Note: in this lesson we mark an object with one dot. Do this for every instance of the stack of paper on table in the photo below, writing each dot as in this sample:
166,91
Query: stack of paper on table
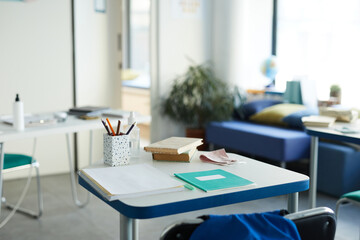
115,113
318,121
32,120
174,149
88,111
129,181
341,115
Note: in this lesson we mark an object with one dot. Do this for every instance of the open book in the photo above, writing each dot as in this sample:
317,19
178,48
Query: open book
129,181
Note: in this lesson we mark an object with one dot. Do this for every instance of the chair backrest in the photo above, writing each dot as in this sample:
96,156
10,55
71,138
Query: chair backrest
317,223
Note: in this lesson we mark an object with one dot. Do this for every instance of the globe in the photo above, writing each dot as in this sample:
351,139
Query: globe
269,68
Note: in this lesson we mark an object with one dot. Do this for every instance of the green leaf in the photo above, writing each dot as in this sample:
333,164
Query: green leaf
198,97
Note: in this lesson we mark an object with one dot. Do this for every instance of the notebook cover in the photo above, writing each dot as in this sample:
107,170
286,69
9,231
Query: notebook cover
213,179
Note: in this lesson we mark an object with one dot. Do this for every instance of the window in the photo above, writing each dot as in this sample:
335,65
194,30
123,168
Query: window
319,40
136,43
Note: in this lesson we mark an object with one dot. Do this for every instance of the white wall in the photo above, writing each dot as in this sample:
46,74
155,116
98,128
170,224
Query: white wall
36,61
174,38
97,57
242,40
97,61
235,35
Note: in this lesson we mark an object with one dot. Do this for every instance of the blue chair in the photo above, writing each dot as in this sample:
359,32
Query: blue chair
15,162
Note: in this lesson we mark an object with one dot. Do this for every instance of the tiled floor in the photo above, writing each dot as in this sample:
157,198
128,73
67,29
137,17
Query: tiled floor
63,220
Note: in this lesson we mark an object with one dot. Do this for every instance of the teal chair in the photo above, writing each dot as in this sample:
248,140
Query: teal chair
351,197
14,162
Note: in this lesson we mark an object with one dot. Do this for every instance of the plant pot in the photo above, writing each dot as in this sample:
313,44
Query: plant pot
335,97
197,133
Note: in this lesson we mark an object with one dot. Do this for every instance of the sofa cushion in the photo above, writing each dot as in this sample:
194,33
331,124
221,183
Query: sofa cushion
274,143
293,120
275,114
253,107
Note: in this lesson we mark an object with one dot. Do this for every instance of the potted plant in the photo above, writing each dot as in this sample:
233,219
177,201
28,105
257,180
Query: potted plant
335,93
198,97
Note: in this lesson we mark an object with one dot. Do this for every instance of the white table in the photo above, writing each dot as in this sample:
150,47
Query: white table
328,133
269,181
71,125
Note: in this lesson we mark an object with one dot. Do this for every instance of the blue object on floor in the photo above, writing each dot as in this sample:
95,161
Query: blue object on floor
268,225
338,169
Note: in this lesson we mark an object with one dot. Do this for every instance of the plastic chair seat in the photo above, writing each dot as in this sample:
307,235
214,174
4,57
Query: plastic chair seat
352,195
13,162
16,160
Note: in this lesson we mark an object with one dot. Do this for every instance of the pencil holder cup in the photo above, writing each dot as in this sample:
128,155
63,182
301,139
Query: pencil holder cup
116,150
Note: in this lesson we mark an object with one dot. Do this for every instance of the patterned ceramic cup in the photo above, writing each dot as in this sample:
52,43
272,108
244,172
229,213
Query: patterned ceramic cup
116,150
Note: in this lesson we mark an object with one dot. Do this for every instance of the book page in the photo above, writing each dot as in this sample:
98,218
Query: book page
132,179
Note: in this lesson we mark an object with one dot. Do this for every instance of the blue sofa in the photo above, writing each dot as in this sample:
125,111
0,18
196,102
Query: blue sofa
338,167
259,130
271,142
338,164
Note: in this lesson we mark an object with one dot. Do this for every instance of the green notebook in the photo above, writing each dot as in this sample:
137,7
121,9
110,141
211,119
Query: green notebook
213,179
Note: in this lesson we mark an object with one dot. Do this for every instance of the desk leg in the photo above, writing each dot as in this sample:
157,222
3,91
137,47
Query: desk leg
313,171
293,202
128,228
72,176
1,168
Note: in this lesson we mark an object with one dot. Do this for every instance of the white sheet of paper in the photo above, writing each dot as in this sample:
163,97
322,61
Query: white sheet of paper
210,177
132,179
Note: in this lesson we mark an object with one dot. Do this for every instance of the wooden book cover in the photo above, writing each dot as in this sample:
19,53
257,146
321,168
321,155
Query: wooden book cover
182,157
174,145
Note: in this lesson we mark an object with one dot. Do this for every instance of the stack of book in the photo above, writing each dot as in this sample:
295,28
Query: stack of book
87,111
318,121
174,149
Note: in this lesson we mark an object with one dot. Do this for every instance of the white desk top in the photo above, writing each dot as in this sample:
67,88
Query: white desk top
71,125
269,181
332,133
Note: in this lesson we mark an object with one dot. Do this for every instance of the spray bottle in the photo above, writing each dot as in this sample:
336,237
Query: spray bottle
134,136
18,114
